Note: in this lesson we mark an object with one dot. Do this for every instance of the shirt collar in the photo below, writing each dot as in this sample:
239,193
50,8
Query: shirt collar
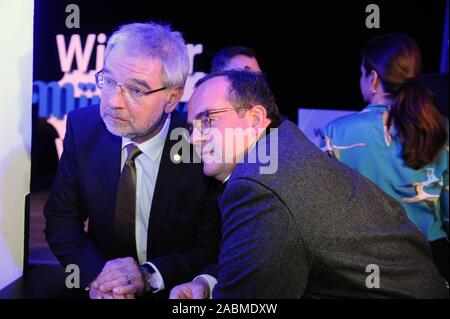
226,179
154,146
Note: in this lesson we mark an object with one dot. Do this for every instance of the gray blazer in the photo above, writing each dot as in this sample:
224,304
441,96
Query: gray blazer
317,229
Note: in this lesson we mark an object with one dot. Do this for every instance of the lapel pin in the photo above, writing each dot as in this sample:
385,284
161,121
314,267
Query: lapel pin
176,158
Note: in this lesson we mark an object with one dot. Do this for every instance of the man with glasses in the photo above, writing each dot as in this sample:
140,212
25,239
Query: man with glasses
311,229
152,220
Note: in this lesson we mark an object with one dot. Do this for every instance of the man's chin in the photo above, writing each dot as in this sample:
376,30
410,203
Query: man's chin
118,132
210,170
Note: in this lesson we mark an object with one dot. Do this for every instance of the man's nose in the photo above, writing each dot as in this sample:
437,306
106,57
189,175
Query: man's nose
196,137
115,97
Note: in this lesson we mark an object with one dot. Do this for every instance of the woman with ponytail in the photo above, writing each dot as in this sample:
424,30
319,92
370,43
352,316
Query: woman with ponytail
400,140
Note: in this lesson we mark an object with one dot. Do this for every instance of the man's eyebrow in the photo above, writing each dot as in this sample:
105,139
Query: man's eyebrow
140,82
132,81
199,115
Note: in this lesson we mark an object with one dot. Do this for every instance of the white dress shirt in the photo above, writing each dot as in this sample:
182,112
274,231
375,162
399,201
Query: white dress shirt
147,166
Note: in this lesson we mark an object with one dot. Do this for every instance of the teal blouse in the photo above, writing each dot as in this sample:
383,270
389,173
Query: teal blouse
360,140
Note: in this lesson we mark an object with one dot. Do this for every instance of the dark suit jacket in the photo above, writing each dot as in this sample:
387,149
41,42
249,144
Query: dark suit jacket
184,225
311,230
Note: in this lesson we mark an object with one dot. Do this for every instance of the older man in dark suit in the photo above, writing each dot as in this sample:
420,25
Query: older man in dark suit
296,223
153,222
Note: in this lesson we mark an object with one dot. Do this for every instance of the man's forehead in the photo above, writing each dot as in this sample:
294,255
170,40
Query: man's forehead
212,89
209,95
121,60
241,61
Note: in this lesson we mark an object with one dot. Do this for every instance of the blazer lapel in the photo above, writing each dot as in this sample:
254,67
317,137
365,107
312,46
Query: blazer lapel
168,175
109,168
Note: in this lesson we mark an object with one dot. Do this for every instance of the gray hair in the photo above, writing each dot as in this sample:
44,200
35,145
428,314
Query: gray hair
156,41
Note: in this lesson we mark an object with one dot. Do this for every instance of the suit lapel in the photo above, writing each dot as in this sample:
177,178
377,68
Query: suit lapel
168,175
109,168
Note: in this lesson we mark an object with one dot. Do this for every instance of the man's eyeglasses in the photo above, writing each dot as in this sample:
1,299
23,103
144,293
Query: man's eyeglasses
203,120
132,93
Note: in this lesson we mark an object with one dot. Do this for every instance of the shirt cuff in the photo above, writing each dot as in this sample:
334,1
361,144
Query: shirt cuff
211,282
156,280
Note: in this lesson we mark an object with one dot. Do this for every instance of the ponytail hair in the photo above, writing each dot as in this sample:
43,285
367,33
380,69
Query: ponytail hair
421,128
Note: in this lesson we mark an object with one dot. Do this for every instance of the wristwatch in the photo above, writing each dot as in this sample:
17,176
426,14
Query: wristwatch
150,280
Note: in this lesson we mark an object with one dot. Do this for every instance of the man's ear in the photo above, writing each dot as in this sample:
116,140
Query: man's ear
259,118
175,95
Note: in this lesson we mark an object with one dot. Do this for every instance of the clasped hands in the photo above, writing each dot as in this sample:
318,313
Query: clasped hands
121,278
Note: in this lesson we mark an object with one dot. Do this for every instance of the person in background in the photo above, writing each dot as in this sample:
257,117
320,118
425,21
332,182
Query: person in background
235,57
399,140
229,58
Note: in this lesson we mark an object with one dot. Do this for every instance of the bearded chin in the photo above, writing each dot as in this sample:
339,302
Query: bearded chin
130,131
151,130
117,130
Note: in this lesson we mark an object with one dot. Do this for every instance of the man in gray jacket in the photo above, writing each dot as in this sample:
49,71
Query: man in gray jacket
296,223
